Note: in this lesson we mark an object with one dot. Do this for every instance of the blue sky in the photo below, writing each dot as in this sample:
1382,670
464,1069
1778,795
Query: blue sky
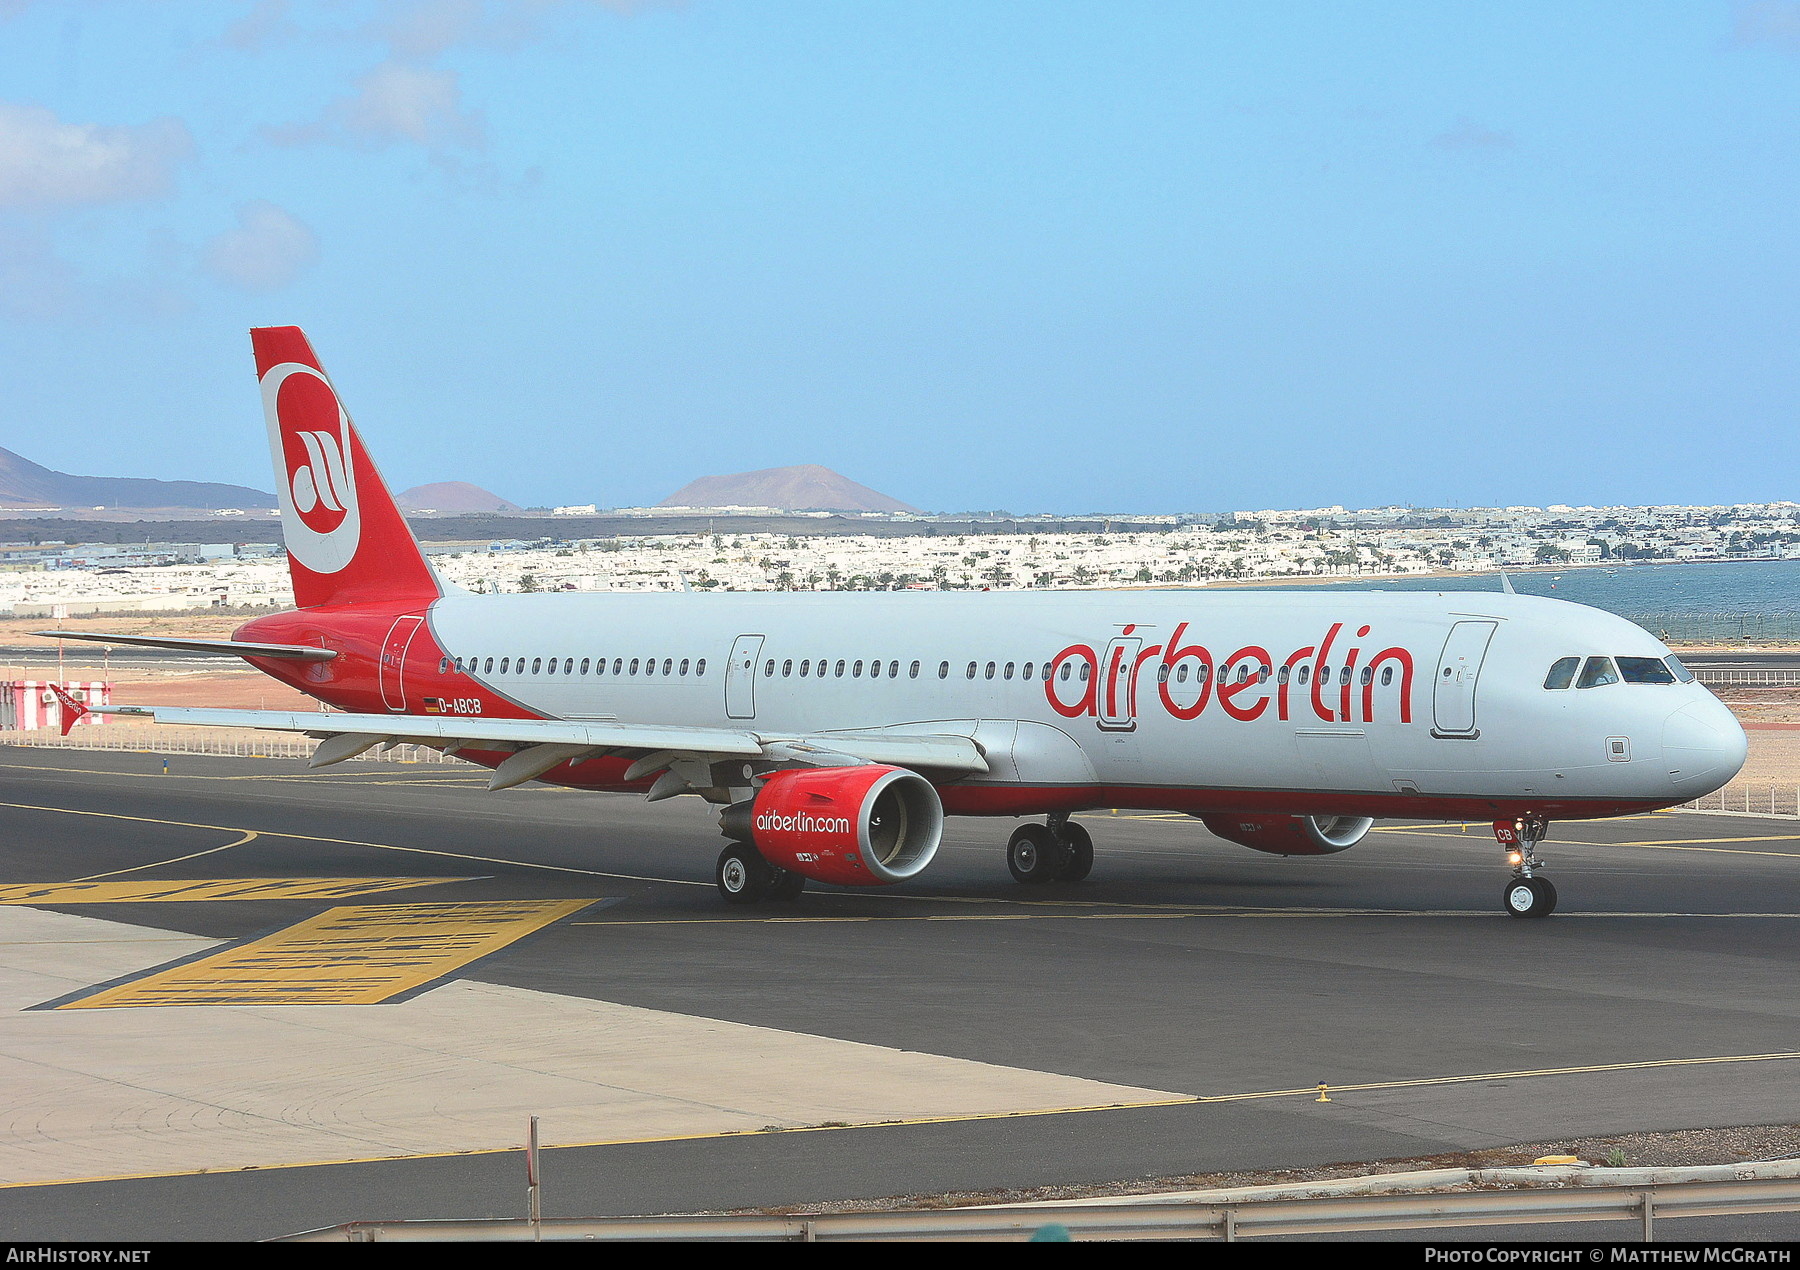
1124,256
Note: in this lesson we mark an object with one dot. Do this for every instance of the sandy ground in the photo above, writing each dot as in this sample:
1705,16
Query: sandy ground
194,624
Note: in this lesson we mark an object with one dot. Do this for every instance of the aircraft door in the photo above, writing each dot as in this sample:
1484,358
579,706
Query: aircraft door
1453,689
1117,688
740,677
393,662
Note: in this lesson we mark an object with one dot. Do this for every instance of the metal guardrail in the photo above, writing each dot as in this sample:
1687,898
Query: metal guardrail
1748,678
155,739
1124,1220
1747,799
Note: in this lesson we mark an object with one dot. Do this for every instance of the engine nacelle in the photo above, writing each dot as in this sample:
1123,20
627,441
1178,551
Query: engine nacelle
1291,835
852,826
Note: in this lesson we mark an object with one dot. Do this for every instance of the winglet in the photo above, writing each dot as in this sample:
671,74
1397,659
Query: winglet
72,710
1506,583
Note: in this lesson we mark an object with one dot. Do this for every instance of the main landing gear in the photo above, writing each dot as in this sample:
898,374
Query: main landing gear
1057,851
744,877
1527,894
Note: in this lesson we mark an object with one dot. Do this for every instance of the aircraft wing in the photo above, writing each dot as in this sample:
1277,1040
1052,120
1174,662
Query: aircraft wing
541,744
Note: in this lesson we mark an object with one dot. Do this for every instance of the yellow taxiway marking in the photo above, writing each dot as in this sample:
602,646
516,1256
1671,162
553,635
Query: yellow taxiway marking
1309,1092
1669,844
1280,913
94,891
1680,842
918,899
247,836
362,955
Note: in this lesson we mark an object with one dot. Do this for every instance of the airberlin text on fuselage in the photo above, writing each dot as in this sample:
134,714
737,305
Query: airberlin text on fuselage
1332,678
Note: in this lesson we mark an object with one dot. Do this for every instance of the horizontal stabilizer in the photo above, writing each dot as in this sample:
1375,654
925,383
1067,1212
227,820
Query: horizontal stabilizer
233,647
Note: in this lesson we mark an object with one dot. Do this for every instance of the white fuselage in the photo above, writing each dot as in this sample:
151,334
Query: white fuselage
1188,696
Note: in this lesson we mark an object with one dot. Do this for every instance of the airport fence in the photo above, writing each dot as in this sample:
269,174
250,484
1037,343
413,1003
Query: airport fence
1730,1191
161,739
1746,798
1720,628
1749,678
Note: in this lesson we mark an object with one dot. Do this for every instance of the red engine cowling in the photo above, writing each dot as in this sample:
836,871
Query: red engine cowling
852,826
1291,835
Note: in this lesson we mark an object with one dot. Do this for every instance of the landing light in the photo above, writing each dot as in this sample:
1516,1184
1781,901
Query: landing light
1513,857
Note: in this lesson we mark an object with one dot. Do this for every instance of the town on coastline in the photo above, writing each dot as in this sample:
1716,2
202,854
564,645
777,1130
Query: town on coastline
763,550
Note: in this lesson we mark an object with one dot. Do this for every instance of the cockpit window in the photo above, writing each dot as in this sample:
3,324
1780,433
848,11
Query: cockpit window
1597,673
1645,670
1681,672
1562,674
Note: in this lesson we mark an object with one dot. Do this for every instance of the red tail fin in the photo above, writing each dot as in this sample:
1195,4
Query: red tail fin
72,710
346,540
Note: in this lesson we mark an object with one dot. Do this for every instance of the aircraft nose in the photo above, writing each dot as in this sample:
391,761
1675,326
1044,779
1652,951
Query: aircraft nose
1703,746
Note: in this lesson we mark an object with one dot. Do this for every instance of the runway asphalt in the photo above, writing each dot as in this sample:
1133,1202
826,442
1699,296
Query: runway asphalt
1226,983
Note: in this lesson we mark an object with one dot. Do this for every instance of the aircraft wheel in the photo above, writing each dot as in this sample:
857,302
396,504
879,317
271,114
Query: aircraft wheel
1032,854
1529,897
1078,853
744,877
787,885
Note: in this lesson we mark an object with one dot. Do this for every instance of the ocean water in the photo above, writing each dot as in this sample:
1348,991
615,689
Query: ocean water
1738,599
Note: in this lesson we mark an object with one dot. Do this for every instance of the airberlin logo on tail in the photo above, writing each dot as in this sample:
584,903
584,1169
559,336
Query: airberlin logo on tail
315,483
315,477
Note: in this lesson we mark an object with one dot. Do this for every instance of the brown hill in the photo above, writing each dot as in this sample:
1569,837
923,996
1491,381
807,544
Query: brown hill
452,496
807,487
27,484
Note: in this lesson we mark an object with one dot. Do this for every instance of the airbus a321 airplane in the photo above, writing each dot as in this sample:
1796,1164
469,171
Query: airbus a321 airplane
836,731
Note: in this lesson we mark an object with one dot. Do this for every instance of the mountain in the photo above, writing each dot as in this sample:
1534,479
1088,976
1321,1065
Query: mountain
807,487
452,496
26,484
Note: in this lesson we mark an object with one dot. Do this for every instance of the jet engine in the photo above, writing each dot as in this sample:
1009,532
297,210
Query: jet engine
852,826
1291,835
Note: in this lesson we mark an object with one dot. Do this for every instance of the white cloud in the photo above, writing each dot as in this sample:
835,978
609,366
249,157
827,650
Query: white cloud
267,250
264,25
411,103
45,162
1774,22
406,99
35,284
392,103
1469,135
426,29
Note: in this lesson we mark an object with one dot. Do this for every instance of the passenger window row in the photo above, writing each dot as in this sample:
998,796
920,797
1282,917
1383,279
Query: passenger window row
620,666
874,668
1301,676
1598,672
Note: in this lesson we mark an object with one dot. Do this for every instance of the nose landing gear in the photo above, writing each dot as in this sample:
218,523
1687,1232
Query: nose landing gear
1527,894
